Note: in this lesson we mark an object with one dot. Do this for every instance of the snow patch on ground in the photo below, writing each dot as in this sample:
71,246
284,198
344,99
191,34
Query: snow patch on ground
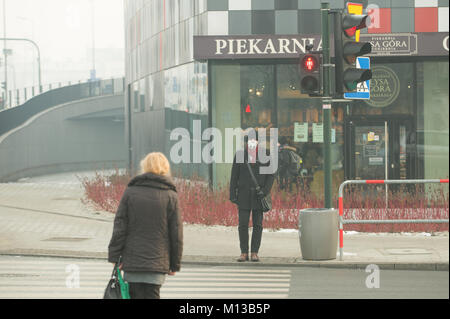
294,231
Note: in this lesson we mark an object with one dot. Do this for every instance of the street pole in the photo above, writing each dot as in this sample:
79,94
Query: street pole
326,102
38,56
93,72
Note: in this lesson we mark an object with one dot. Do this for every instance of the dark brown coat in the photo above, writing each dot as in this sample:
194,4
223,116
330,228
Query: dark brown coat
148,230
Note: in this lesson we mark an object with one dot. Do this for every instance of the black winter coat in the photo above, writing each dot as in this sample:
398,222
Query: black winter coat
148,230
242,188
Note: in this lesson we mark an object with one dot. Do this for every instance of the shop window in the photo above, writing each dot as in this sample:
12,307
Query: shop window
299,120
268,96
257,96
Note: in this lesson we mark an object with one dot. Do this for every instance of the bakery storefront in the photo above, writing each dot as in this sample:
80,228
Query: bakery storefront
402,132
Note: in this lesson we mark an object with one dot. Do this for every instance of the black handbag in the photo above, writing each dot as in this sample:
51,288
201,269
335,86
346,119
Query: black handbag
265,203
116,288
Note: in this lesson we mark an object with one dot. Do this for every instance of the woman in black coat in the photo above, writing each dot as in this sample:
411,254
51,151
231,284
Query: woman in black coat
243,193
148,230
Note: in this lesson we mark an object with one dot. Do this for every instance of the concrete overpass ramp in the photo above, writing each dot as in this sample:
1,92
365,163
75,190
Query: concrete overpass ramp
67,129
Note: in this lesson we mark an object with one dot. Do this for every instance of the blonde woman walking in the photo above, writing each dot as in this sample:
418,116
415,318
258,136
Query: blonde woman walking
148,230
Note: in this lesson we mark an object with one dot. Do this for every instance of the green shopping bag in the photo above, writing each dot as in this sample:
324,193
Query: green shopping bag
124,288
117,288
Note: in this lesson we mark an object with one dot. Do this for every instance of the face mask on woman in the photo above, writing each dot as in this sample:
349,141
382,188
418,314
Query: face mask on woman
252,149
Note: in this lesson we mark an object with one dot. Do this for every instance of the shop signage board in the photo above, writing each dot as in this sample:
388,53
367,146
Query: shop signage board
290,46
363,88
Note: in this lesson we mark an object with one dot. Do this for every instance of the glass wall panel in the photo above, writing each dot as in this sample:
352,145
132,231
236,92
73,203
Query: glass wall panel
169,13
135,96
225,112
181,73
200,86
433,119
148,93
158,91
142,93
186,9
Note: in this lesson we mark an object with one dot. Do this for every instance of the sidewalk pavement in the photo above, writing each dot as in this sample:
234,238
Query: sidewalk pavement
47,218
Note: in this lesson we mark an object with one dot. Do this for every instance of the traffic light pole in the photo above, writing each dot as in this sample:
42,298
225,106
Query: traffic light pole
327,104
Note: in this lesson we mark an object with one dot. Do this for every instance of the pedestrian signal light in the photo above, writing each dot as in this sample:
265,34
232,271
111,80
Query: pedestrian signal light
309,63
310,77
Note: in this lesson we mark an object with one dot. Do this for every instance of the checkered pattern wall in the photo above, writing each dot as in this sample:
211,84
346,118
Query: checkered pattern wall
241,17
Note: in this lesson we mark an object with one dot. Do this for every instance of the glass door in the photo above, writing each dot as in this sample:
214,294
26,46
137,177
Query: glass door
371,151
381,149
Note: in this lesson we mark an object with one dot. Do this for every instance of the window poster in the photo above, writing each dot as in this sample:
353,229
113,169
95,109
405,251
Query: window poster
301,132
318,133
317,130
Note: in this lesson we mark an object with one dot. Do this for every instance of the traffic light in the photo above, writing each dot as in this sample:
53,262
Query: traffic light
310,75
347,49
3,85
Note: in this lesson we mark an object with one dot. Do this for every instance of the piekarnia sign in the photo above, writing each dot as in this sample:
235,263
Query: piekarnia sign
226,47
291,46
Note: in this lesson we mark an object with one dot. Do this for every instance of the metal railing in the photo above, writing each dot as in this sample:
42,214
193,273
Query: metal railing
13,117
396,221
20,96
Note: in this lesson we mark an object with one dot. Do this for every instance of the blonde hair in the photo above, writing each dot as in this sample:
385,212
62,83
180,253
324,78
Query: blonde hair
155,163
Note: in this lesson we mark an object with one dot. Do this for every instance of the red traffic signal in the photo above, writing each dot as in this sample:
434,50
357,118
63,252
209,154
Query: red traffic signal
352,23
347,50
309,72
309,63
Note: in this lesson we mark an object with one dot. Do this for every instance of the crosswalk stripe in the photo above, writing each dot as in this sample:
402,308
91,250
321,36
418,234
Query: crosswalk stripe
108,267
51,296
15,283
98,272
228,284
45,279
231,275
63,290
221,289
252,270
35,270
229,279
198,276
223,296
52,288
63,277
57,295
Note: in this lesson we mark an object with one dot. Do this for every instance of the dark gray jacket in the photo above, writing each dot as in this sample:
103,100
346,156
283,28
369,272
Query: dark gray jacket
148,230
242,188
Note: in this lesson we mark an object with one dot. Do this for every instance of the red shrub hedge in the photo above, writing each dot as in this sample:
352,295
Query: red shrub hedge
200,204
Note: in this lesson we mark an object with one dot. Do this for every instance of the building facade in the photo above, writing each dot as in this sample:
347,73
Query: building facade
233,64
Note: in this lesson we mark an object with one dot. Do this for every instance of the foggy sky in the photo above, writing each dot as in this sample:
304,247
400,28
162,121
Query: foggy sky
63,31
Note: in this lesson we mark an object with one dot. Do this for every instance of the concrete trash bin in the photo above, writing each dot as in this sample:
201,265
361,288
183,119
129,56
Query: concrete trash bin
318,232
